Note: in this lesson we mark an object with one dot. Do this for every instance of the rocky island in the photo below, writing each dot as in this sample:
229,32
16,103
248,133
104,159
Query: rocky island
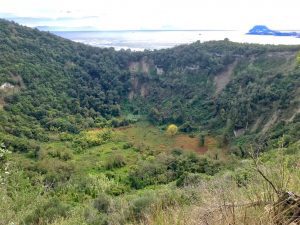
264,30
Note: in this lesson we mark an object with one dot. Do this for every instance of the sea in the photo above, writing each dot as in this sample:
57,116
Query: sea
149,40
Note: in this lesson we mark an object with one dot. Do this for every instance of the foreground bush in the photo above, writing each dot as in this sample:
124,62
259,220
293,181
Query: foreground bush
47,213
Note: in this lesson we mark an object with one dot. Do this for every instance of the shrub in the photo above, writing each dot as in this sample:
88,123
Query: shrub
186,127
66,136
172,129
177,152
167,168
117,189
242,177
127,145
141,206
93,138
187,179
55,171
117,161
62,154
47,213
120,122
202,140
149,173
102,203
298,59
93,217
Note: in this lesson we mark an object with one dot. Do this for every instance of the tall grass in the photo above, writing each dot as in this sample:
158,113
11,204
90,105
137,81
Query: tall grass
228,199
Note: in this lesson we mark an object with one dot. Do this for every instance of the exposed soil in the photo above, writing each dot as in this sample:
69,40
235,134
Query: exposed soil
270,123
187,143
134,67
148,135
293,116
222,79
141,66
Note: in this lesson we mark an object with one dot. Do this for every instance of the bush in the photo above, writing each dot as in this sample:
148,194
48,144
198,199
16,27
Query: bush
127,145
141,206
47,213
20,144
66,136
55,171
117,189
186,127
117,161
62,124
62,154
102,203
202,140
187,179
177,152
93,138
167,168
149,173
93,217
172,129
119,122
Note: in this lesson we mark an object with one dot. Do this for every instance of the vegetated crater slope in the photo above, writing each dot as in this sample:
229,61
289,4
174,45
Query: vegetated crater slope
239,88
220,86
67,112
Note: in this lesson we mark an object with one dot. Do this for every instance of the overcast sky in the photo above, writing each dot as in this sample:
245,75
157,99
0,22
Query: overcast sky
154,14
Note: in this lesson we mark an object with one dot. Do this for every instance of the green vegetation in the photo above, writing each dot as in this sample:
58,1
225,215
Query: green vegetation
298,58
84,131
172,129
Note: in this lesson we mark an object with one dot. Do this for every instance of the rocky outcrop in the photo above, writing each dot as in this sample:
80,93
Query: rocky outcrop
141,72
6,86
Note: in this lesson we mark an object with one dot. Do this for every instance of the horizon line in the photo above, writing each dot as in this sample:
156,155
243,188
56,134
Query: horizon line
139,30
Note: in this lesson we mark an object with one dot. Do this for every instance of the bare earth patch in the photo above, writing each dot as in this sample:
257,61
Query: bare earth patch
188,143
222,79
147,136
271,121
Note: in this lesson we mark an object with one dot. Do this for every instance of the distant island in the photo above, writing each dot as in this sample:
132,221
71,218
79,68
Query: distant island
264,30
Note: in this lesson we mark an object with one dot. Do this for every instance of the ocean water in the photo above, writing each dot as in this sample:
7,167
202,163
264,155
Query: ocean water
140,40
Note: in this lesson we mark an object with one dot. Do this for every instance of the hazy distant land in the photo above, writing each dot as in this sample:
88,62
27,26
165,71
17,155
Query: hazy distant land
158,39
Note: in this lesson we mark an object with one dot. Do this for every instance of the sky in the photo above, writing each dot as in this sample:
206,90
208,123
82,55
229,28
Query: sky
153,14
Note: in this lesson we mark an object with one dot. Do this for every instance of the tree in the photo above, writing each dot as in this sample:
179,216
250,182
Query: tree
202,140
298,59
172,129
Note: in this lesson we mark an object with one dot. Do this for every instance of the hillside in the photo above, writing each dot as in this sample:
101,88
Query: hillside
179,84
83,129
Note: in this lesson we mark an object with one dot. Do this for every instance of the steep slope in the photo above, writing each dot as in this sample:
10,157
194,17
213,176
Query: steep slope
257,82
62,86
66,86
65,159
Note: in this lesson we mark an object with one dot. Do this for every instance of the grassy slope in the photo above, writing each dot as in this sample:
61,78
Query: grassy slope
186,205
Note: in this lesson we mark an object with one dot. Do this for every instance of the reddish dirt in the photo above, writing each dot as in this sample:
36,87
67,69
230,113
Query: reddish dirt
122,128
188,143
210,142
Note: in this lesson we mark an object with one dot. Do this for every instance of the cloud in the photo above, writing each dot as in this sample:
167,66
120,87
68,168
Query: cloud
154,14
